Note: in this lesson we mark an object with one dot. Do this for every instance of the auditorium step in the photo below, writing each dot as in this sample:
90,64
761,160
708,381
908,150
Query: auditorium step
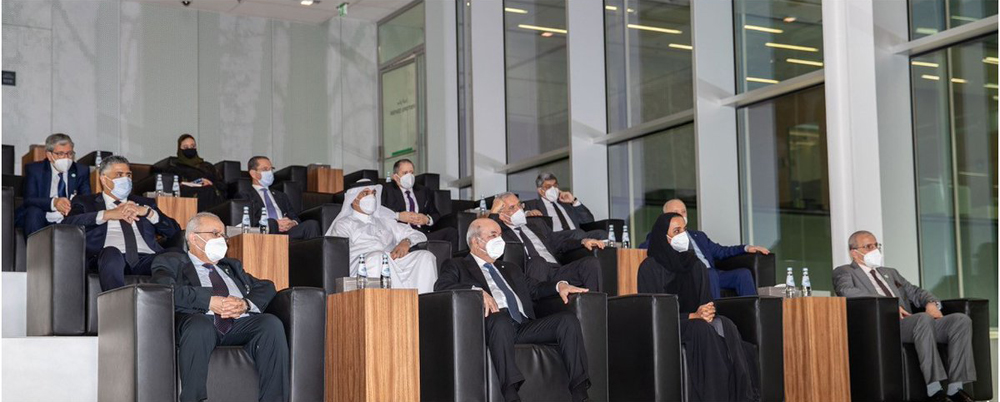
51,368
14,288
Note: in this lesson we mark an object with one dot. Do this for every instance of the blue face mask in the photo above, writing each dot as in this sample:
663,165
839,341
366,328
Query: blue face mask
123,187
266,178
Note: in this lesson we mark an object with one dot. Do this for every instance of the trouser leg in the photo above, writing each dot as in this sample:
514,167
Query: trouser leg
500,337
740,280
563,329
304,231
263,338
956,330
196,339
111,268
585,272
918,329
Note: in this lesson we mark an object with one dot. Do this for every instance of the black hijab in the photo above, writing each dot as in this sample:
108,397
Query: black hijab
666,270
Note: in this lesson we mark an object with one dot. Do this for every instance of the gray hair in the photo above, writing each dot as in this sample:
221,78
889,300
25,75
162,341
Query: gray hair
194,224
544,177
57,139
852,242
504,195
110,161
472,233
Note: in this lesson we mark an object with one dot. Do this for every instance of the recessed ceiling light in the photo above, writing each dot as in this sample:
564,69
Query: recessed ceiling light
789,19
791,47
546,34
762,80
308,2
763,29
924,64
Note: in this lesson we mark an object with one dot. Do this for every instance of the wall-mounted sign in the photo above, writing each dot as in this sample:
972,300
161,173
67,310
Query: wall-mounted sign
9,78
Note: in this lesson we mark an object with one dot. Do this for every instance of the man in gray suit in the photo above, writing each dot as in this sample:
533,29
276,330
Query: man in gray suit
867,277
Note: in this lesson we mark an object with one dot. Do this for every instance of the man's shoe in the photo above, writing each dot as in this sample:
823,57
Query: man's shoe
940,396
961,396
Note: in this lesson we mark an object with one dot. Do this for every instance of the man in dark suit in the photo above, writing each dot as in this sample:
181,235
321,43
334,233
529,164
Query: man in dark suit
541,248
49,185
414,204
280,215
218,304
509,312
866,276
121,227
566,211
709,252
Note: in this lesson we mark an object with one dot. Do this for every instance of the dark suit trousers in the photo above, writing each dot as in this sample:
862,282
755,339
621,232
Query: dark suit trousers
585,272
33,219
262,337
304,231
562,329
112,268
447,233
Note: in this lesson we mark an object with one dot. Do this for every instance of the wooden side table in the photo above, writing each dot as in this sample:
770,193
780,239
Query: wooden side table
372,346
265,256
815,337
35,153
324,179
95,182
179,208
629,260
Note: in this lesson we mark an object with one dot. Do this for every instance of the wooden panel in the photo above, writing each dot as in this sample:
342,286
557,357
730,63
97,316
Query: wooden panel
35,153
629,260
95,182
815,337
265,256
322,179
372,346
179,208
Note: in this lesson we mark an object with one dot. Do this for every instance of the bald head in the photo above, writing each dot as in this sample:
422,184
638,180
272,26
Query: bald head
480,232
675,206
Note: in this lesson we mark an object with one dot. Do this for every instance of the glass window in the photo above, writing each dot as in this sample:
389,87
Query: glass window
648,60
537,92
784,182
402,113
523,183
955,146
401,34
928,17
463,36
776,40
646,172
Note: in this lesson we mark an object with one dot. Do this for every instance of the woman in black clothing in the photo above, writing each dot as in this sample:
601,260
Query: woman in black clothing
198,178
719,366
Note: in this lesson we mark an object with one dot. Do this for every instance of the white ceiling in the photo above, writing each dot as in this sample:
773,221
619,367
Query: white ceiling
292,10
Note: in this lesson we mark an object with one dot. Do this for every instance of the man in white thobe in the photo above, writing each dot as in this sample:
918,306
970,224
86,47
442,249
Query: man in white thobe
373,233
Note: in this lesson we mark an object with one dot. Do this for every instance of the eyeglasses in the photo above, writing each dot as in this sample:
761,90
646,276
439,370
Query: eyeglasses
870,247
67,154
215,234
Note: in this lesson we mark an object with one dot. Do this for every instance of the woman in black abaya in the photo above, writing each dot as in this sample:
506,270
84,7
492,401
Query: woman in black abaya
718,365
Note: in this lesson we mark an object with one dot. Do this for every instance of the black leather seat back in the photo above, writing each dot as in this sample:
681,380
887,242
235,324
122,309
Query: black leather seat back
761,267
429,180
324,214
296,173
140,171
94,290
644,348
294,192
452,347
354,177
312,200
240,185
8,159
56,283
442,201
306,335
228,171
545,375
759,320
231,212
231,375
591,309
8,228
873,339
606,224
319,262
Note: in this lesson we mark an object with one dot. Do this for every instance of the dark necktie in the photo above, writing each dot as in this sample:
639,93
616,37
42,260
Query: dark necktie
411,205
62,187
512,308
131,246
220,289
271,212
530,247
562,217
878,280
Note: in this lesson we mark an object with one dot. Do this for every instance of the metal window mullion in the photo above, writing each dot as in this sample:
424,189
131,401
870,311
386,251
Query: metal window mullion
954,171
628,66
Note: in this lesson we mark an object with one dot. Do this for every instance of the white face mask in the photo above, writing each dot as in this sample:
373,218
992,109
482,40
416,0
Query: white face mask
122,187
681,242
873,259
552,194
495,247
215,249
368,204
518,218
63,164
406,181
266,178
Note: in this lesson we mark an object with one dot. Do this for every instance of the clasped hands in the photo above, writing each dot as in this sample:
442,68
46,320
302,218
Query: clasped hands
413,218
62,205
128,211
228,306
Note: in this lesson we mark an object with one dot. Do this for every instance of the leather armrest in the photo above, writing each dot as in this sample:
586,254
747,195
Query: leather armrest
452,346
238,186
228,171
303,312
591,309
319,262
978,311
324,214
440,248
608,258
8,159
604,224
230,212
873,343
8,228
57,281
312,200
759,320
293,190
644,348
296,173
135,348
429,180
513,252
442,201
761,267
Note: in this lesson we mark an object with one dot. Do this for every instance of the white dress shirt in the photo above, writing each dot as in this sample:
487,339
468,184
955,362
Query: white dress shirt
415,205
115,238
535,241
498,294
54,216
206,282
868,274
550,210
264,192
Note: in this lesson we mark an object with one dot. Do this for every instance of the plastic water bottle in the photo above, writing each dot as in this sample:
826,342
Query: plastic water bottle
789,284
176,188
385,280
626,242
246,220
611,235
806,284
388,177
263,220
97,160
159,184
482,205
362,272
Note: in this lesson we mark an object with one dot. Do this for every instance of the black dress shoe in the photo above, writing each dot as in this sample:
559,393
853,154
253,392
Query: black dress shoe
961,396
940,396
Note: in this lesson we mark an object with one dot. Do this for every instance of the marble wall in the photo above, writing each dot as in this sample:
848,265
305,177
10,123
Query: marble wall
129,78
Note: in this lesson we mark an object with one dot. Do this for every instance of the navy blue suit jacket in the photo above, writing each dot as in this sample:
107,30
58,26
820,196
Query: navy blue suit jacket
84,213
713,251
38,182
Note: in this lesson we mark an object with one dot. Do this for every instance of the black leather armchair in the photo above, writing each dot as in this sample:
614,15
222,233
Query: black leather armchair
136,347
319,262
324,214
759,321
148,184
56,281
312,200
8,229
878,373
91,157
454,360
293,190
761,266
231,212
228,171
354,177
604,225
8,159
296,173
429,180
644,348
